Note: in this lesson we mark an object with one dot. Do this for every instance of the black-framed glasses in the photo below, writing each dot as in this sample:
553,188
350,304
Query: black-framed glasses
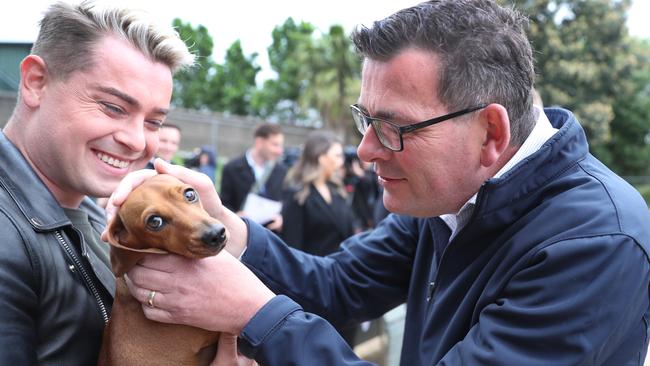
390,134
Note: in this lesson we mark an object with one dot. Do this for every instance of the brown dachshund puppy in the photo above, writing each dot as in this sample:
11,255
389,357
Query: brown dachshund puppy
163,215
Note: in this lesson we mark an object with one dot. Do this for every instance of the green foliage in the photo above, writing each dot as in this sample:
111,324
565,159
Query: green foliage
582,56
332,70
279,97
317,74
190,85
628,151
234,81
223,87
587,62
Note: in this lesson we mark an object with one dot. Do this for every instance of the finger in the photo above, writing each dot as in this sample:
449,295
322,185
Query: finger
167,263
125,187
226,350
129,183
189,176
154,273
201,182
157,314
141,293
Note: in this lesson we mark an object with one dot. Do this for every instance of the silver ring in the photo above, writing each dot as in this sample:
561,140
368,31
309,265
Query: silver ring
152,294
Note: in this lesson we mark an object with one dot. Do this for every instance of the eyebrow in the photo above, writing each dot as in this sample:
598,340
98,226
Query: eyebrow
129,99
380,114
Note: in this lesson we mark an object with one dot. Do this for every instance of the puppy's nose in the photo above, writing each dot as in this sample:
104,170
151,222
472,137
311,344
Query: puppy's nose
214,236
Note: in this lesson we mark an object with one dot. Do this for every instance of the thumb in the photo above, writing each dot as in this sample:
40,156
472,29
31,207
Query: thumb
226,350
162,166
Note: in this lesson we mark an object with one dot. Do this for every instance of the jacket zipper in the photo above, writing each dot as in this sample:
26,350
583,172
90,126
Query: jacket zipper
86,278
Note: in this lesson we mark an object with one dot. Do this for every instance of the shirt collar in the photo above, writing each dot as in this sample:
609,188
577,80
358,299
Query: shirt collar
542,131
258,171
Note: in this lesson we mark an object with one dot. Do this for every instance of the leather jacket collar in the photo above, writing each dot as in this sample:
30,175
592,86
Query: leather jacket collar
34,200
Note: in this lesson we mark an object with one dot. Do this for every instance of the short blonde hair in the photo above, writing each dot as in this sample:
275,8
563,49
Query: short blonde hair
68,34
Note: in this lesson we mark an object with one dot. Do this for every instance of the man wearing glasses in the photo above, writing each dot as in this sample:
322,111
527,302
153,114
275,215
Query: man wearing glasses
509,242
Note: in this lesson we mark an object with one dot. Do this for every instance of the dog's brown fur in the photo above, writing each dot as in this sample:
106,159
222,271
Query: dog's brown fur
130,338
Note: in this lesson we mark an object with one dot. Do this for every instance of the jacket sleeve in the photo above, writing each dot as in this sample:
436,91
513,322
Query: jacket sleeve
577,302
18,298
367,277
281,333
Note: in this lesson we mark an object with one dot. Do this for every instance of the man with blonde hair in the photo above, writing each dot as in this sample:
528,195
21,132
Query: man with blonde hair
93,94
509,242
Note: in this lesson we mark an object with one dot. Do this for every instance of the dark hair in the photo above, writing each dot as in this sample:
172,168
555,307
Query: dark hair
483,50
266,130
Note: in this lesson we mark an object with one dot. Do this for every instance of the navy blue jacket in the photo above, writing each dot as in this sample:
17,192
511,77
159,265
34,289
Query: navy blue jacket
552,269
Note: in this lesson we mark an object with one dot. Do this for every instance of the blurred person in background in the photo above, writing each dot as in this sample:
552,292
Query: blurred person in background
363,190
169,136
204,160
316,214
257,171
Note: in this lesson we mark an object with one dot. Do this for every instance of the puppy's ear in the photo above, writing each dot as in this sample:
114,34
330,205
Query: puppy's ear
122,260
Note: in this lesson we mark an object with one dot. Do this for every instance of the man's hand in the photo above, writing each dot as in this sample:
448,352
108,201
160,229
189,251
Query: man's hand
227,354
216,293
207,193
275,224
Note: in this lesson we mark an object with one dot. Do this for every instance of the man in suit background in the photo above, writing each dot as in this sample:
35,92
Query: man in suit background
169,137
259,170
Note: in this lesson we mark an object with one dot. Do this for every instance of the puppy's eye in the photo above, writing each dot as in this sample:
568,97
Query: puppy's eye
155,222
190,195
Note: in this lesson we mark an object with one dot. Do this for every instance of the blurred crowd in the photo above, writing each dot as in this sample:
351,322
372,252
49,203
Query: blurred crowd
322,192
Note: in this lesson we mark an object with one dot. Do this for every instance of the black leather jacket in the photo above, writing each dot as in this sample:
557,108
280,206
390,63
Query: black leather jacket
53,302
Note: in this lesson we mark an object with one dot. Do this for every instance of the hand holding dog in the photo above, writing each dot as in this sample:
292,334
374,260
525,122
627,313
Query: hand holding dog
227,354
216,293
202,183
179,290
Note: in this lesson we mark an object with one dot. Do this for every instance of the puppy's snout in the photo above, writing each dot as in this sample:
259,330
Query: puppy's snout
215,236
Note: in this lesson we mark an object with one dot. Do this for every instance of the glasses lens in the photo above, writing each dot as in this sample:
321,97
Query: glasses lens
359,120
387,134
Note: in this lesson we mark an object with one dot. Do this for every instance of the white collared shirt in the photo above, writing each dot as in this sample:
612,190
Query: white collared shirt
258,171
541,133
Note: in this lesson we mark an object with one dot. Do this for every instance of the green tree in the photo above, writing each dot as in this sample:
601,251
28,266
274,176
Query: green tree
231,87
628,151
582,56
332,71
190,85
279,97
587,62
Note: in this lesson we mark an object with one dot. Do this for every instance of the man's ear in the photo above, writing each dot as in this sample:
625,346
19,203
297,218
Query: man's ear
33,79
497,133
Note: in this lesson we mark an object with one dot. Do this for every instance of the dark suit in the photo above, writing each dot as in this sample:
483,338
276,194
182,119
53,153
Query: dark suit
237,179
318,228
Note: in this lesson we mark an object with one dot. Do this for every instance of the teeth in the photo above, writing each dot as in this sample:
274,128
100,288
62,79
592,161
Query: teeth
112,161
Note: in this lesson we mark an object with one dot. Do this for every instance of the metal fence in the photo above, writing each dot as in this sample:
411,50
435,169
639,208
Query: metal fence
228,135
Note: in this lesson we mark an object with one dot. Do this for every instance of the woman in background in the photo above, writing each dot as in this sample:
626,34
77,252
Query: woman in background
316,215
